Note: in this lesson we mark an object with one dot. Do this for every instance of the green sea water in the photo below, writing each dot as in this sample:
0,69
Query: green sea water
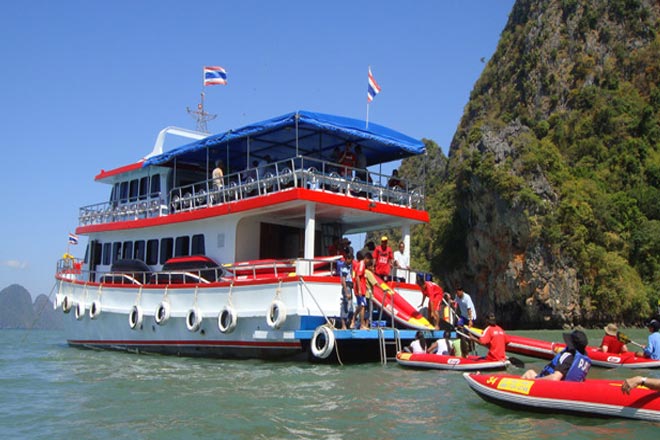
52,391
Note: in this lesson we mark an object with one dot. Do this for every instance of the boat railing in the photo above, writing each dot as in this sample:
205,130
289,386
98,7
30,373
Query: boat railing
154,205
301,172
72,268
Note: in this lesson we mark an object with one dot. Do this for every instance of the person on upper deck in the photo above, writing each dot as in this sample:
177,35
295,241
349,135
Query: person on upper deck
610,342
394,181
218,175
347,159
571,364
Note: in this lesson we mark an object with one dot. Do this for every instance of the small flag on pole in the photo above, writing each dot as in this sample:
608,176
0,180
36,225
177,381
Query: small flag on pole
215,75
73,239
373,89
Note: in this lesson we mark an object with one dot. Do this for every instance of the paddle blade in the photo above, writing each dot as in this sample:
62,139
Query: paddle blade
622,338
516,362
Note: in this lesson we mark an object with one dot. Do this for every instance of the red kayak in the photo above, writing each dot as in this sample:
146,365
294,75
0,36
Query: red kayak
396,306
446,362
593,397
547,350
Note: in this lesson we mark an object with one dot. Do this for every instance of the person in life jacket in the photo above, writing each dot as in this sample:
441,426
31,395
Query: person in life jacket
571,364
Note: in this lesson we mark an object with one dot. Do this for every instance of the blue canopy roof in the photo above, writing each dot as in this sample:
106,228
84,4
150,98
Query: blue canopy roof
317,136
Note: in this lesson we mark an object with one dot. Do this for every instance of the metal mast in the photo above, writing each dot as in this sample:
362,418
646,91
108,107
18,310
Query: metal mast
201,116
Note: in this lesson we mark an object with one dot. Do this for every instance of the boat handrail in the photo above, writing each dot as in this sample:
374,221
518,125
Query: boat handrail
72,268
300,171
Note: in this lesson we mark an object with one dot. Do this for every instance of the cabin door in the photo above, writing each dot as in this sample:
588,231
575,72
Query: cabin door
279,241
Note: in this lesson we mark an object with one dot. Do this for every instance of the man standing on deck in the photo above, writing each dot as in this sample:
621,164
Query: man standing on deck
466,311
383,257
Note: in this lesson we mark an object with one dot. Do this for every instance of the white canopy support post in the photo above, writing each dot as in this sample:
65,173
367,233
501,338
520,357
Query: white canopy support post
310,230
177,131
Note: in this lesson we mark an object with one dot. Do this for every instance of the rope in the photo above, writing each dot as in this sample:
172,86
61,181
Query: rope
327,321
39,313
231,287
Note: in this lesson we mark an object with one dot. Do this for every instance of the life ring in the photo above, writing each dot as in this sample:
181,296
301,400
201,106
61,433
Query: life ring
227,319
67,303
79,311
135,317
95,309
162,313
276,314
193,319
323,342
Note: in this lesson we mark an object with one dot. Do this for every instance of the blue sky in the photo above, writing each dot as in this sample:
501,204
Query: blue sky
87,85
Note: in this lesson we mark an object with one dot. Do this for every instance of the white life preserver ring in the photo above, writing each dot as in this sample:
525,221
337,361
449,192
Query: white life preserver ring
227,319
193,319
323,342
162,313
67,303
79,311
95,309
276,314
135,317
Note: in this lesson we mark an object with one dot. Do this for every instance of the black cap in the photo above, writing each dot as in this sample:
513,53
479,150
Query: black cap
655,324
576,340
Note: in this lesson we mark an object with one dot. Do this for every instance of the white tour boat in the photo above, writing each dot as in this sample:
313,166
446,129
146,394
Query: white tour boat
180,263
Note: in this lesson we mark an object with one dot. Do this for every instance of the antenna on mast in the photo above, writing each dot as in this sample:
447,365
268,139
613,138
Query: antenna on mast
201,116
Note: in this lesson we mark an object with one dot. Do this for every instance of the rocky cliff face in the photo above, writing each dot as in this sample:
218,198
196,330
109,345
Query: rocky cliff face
540,127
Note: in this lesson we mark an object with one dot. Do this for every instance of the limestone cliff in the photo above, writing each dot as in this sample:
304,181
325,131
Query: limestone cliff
551,193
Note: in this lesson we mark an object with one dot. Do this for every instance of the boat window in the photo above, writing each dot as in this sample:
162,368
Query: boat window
123,192
155,185
133,190
116,251
87,254
198,247
144,187
139,251
152,252
166,247
182,246
96,253
114,195
107,253
127,250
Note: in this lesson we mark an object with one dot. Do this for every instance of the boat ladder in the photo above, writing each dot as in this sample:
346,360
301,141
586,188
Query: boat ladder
383,343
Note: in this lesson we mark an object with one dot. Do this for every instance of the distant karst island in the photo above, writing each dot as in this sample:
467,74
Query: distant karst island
17,311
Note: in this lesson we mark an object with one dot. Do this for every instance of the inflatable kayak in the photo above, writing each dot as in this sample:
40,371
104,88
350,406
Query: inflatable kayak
547,350
396,306
595,397
446,362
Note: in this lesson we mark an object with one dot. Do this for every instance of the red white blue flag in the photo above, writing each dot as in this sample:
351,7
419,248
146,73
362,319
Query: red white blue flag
373,89
73,238
214,75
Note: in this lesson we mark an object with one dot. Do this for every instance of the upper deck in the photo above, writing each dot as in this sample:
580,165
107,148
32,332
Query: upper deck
298,150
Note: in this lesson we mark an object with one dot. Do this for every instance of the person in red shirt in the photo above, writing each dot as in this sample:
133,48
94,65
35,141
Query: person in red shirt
347,159
360,288
435,294
384,257
494,338
610,343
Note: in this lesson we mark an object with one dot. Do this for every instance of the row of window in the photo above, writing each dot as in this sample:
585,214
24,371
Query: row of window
150,251
136,189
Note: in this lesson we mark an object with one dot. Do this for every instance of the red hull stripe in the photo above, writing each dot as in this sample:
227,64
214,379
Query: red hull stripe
259,202
237,344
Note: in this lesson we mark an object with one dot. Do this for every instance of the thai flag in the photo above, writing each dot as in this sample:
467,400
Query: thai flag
214,75
373,88
73,238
